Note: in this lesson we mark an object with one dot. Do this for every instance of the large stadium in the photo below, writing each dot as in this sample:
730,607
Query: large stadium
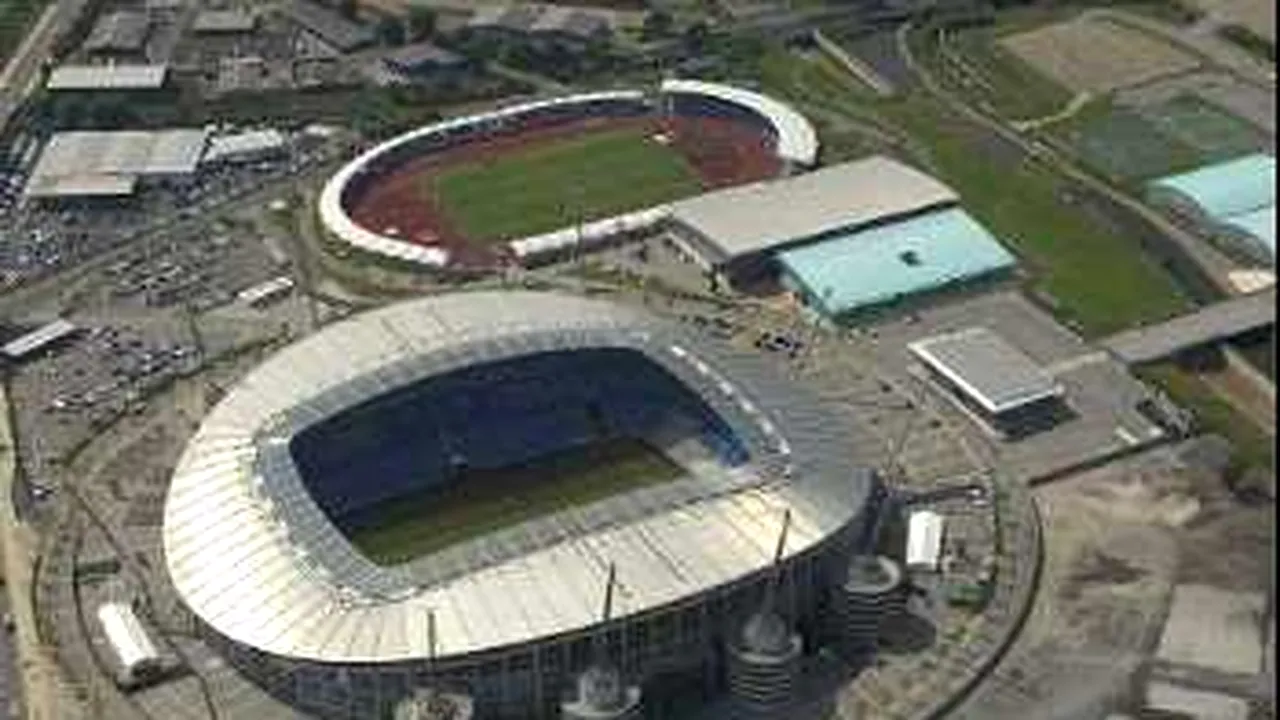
434,492
499,186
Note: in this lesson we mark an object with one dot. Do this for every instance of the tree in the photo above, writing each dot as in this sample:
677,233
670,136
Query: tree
390,31
422,22
695,37
656,24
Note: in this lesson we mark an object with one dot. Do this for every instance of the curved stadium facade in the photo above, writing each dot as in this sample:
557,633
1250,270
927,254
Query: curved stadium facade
432,399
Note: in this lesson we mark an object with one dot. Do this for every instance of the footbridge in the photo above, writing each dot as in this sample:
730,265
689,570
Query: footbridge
1208,324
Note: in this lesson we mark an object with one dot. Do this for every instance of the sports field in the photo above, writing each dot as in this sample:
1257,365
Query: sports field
484,501
553,186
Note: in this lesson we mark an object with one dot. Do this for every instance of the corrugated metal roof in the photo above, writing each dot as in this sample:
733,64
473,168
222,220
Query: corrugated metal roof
996,374
1260,225
753,218
120,152
106,77
253,556
1227,188
893,261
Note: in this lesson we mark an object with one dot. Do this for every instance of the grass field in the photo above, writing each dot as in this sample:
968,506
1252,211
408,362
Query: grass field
484,501
553,186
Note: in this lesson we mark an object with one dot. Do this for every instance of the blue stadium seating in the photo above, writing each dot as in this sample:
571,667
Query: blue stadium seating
496,415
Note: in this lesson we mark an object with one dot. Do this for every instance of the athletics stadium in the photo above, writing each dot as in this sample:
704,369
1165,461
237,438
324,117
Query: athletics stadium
538,177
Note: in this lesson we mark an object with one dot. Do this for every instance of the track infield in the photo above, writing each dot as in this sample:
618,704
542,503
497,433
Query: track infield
548,187
485,501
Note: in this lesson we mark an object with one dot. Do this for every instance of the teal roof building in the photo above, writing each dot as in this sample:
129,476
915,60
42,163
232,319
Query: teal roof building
1233,200
846,273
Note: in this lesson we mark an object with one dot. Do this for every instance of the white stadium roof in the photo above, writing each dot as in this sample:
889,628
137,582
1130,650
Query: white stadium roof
838,197
797,140
106,77
335,218
253,555
997,375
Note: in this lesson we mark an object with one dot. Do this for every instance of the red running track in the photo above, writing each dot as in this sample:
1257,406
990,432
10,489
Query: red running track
722,152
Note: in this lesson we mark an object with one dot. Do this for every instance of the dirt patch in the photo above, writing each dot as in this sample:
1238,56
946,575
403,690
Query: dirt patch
1097,56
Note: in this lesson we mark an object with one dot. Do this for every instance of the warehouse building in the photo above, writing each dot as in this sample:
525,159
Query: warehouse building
224,22
427,63
42,338
1234,202
852,272
245,147
112,163
121,33
733,232
79,78
330,27
992,381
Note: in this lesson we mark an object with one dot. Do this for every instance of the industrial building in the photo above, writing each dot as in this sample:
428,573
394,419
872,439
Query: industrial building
122,33
331,28
39,339
259,501
427,62
97,163
244,147
116,76
224,22
734,231
925,532
1234,202
853,272
993,381
136,653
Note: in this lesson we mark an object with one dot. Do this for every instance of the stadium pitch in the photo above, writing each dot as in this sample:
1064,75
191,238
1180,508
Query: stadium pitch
480,502
549,187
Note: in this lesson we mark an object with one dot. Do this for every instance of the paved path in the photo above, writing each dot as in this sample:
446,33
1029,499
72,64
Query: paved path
1214,322
39,672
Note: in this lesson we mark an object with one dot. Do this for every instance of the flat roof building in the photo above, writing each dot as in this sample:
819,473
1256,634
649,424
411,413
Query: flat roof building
244,146
992,380
227,22
731,225
851,272
122,31
106,161
129,641
925,529
106,77
38,339
423,57
339,32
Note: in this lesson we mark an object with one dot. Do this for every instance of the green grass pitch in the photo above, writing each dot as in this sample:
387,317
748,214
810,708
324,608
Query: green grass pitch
552,186
484,501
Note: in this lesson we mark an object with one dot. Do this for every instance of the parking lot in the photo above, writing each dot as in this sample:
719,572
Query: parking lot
36,240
